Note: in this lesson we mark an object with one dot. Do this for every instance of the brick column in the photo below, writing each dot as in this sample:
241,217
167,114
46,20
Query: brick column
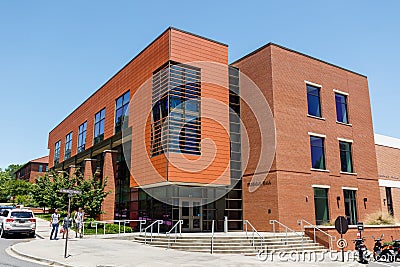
72,169
109,172
89,166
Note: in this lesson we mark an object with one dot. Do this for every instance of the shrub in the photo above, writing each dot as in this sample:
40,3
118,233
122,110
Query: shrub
379,218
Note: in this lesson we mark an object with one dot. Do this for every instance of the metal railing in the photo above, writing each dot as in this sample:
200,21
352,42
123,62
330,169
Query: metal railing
104,223
212,236
175,227
158,222
287,230
254,231
315,229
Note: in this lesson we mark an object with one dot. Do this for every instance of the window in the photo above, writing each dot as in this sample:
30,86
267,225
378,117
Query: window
40,168
121,107
68,145
176,110
350,206
389,200
321,205
57,152
99,126
317,152
341,108
345,156
82,137
314,102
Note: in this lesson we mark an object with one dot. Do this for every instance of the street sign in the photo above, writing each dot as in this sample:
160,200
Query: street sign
360,226
70,191
341,225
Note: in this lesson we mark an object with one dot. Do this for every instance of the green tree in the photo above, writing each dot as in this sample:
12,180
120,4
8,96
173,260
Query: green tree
93,195
46,192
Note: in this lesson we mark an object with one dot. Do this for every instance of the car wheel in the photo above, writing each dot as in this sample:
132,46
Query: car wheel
32,235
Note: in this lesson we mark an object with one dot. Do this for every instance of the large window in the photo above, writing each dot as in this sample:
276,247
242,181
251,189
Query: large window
341,108
57,147
99,126
345,156
321,205
350,206
82,137
317,152
314,101
68,145
121,106
176,110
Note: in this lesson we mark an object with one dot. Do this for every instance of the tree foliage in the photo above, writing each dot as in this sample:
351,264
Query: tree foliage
46,192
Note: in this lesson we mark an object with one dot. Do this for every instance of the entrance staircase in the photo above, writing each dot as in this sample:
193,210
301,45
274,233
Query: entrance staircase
235,242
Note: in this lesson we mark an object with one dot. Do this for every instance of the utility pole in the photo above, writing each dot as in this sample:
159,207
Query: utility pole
70,193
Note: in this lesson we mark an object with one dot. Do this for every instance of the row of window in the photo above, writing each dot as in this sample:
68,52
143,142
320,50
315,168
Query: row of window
314,104
121,107
317,144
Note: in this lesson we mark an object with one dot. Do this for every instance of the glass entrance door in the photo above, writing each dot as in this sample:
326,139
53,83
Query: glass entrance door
190,212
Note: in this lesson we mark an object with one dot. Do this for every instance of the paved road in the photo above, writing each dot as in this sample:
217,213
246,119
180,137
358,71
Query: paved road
9,261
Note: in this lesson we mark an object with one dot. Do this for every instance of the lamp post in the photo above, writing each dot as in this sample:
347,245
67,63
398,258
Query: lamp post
70,193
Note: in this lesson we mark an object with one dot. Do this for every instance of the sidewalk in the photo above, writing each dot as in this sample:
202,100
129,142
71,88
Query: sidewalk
91,251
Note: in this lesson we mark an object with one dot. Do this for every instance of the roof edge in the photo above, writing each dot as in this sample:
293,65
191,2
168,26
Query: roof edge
296,52
130,61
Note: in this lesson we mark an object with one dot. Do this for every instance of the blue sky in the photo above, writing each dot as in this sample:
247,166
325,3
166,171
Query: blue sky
54,54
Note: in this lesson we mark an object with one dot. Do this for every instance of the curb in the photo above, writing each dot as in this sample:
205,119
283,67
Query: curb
50,262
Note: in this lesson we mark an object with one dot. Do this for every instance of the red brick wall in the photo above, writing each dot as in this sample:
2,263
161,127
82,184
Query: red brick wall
281,75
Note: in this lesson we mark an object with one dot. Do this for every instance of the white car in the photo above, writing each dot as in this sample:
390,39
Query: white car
17,221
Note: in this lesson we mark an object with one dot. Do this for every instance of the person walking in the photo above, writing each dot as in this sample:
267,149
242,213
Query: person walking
55,220
78,218
67,223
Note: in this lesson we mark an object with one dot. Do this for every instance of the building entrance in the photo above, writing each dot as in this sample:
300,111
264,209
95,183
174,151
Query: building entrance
190,211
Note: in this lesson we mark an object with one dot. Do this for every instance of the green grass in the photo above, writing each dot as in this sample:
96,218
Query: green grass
45,216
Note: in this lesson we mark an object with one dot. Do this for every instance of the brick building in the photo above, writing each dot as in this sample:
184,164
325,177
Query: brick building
33,169
324,165
388,158
319,108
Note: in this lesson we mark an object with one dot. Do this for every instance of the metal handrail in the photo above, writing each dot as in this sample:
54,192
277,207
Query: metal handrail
180,222
212,236
254,231
287,229
158,222
96,223
331,238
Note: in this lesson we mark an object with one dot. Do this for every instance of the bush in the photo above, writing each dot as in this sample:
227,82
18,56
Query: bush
379,218
90,229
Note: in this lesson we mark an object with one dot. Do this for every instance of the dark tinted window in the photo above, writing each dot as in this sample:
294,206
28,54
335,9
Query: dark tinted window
345,157
317,152
21,214
314,102
341,108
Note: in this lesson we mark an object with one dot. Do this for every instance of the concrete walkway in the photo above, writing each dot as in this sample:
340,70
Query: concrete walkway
91,251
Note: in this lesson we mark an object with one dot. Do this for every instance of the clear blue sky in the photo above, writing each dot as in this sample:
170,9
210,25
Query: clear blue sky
54,54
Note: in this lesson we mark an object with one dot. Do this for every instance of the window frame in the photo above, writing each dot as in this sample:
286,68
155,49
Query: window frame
322,137
57,152
318,87
98,136
68,145
346,105
124,106
82,133
350,151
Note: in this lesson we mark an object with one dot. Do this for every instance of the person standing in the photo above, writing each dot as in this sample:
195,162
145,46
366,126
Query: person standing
55,220
78,218
67,223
